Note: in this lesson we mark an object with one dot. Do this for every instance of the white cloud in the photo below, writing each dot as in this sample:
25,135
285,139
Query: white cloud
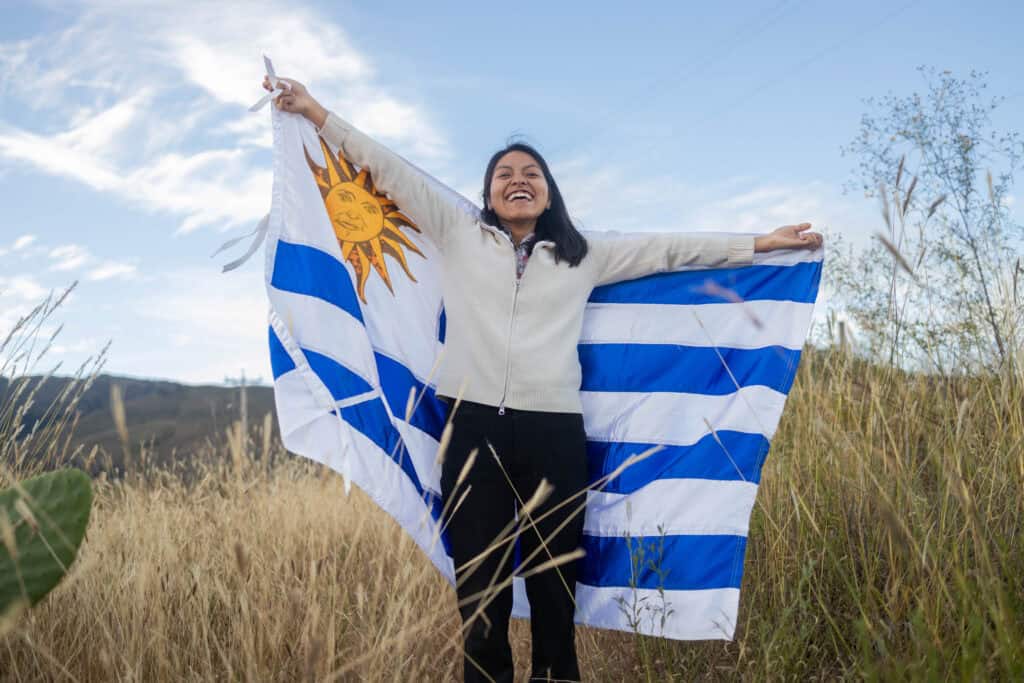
18,295
112,269
250,131
161,94
765,208
22,288
217,325
612,197
83,346
96,134
47,154
23,242
68,257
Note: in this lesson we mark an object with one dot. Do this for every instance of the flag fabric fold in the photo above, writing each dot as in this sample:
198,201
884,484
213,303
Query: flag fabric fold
695,362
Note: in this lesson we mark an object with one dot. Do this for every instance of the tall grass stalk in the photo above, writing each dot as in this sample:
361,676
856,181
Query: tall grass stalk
884,544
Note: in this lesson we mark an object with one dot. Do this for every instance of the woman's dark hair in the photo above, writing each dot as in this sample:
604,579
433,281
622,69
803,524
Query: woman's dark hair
554,224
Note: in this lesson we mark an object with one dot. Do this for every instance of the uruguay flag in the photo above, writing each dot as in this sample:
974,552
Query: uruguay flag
696,362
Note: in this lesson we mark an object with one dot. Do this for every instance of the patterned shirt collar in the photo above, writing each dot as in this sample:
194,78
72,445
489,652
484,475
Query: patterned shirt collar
522,251
524,242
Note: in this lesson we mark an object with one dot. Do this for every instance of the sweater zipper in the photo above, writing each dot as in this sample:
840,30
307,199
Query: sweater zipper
511,322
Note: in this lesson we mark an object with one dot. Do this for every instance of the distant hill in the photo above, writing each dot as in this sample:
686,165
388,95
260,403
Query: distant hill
174,420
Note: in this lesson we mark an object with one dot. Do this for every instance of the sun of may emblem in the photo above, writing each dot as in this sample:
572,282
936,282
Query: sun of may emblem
366,223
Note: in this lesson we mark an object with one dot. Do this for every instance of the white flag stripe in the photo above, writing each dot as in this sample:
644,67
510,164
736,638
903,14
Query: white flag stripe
671,507
787,257
328,330
421,448
296,406
709,613
724,325
678,419
319,393
703,614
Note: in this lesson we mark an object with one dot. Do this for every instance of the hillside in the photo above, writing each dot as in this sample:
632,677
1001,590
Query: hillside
173,420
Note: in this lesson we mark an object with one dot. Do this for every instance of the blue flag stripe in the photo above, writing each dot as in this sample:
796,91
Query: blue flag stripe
691,562
280,361
307,270
798,282
339,380
370,418
396,381
740,460
674,368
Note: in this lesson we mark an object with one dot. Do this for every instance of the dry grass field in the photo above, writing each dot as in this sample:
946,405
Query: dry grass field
885,544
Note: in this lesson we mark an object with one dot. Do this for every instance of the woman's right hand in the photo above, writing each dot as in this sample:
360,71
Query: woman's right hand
297,100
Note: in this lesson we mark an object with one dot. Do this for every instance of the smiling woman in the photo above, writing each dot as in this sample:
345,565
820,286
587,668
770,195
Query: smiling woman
515,282
522,198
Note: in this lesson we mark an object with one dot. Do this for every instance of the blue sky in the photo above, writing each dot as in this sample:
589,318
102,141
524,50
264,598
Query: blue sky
127,154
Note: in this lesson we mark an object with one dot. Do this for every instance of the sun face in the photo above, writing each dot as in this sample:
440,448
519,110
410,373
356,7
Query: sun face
366,223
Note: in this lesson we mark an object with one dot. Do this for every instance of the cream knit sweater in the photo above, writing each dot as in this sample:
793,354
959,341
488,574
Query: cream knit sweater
513,342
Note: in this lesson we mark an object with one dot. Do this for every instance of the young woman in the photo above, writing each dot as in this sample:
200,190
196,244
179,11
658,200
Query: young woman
515,284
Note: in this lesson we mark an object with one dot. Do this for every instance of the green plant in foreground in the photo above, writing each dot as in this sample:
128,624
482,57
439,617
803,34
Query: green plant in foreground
42,523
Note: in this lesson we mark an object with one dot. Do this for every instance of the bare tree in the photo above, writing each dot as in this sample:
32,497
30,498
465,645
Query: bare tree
941,285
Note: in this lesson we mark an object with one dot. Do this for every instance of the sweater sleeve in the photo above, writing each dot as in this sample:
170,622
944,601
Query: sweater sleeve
625,256
436,208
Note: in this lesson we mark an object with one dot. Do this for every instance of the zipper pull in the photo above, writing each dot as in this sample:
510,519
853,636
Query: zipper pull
501,408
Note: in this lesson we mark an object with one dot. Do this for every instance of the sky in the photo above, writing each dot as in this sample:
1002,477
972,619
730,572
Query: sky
128,155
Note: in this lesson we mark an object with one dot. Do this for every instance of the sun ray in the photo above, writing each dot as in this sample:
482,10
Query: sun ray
391,247
394,233
336,170
363,180
361,265
319,173
377,260
345,170
401,218
334,176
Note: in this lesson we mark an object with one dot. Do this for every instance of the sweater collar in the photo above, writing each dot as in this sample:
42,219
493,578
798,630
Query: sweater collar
526,240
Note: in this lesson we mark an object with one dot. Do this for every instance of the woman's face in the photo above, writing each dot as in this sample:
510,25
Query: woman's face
519,191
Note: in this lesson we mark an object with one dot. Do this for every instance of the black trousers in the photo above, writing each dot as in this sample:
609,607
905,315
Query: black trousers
530,446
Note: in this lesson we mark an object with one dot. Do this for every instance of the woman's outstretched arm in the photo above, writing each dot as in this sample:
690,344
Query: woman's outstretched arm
625,256
435,208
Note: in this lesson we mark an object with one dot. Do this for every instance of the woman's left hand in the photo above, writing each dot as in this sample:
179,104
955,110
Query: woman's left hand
789,237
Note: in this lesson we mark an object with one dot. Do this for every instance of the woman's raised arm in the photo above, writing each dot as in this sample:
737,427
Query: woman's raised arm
625,256
434,207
